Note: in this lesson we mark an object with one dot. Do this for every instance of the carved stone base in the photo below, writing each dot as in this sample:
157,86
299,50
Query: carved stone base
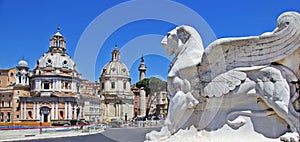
246,133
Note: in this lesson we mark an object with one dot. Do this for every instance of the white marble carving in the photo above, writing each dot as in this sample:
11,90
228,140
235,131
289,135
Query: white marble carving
235,83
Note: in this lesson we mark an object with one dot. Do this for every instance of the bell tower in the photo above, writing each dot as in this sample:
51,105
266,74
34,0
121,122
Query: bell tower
22,74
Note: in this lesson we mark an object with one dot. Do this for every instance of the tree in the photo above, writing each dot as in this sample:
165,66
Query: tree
152,85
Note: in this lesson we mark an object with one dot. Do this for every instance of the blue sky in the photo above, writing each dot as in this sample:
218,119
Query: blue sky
27,26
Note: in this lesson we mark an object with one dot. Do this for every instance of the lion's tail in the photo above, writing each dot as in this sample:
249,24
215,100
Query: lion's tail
239,122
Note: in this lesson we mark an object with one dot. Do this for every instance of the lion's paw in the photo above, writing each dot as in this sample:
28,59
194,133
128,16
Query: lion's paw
290,137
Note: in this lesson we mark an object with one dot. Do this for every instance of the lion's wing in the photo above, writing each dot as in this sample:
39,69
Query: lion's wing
226,54
224,83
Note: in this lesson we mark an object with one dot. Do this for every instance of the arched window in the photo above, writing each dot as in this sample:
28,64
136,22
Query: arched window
30,114
124,85
46,85
61,114
102,86
19,76
113,85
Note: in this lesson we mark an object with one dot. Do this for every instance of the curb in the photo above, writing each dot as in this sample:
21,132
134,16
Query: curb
52,135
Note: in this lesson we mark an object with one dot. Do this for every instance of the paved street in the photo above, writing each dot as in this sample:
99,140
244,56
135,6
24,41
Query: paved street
110,135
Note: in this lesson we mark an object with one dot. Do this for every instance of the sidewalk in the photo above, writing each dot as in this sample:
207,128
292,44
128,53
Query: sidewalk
30,134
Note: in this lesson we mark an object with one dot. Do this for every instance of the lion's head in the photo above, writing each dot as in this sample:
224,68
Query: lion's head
186,44
178,39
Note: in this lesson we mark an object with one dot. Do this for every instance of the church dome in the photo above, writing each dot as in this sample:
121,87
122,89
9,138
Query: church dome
115,68
56,58
22,63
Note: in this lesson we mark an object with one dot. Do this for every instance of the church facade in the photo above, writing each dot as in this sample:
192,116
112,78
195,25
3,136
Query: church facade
54,88
115,88
52,92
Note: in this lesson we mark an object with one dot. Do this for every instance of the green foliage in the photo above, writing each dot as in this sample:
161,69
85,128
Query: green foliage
152,85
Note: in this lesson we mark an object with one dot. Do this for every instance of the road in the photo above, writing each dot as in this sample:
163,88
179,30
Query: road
109,135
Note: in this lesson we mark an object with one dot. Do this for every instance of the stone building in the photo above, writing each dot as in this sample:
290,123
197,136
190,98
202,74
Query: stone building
14,83
54,92
89,95
7,80
160,106
115,87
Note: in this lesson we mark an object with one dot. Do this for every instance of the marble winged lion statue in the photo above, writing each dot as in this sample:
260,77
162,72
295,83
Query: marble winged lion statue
255,76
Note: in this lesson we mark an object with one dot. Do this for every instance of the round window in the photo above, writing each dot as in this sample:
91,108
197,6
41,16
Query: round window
49,61
65,62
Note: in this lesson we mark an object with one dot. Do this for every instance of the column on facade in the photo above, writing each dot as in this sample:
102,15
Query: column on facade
52,110
56,110
22,79
120,110
21,108
17,79
39,84
27,78
75,112
70,111
73,86
36,85
66,109
106,109
59,85
24,110
38,110
81,111
42,85
34,112
54,85
117,110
